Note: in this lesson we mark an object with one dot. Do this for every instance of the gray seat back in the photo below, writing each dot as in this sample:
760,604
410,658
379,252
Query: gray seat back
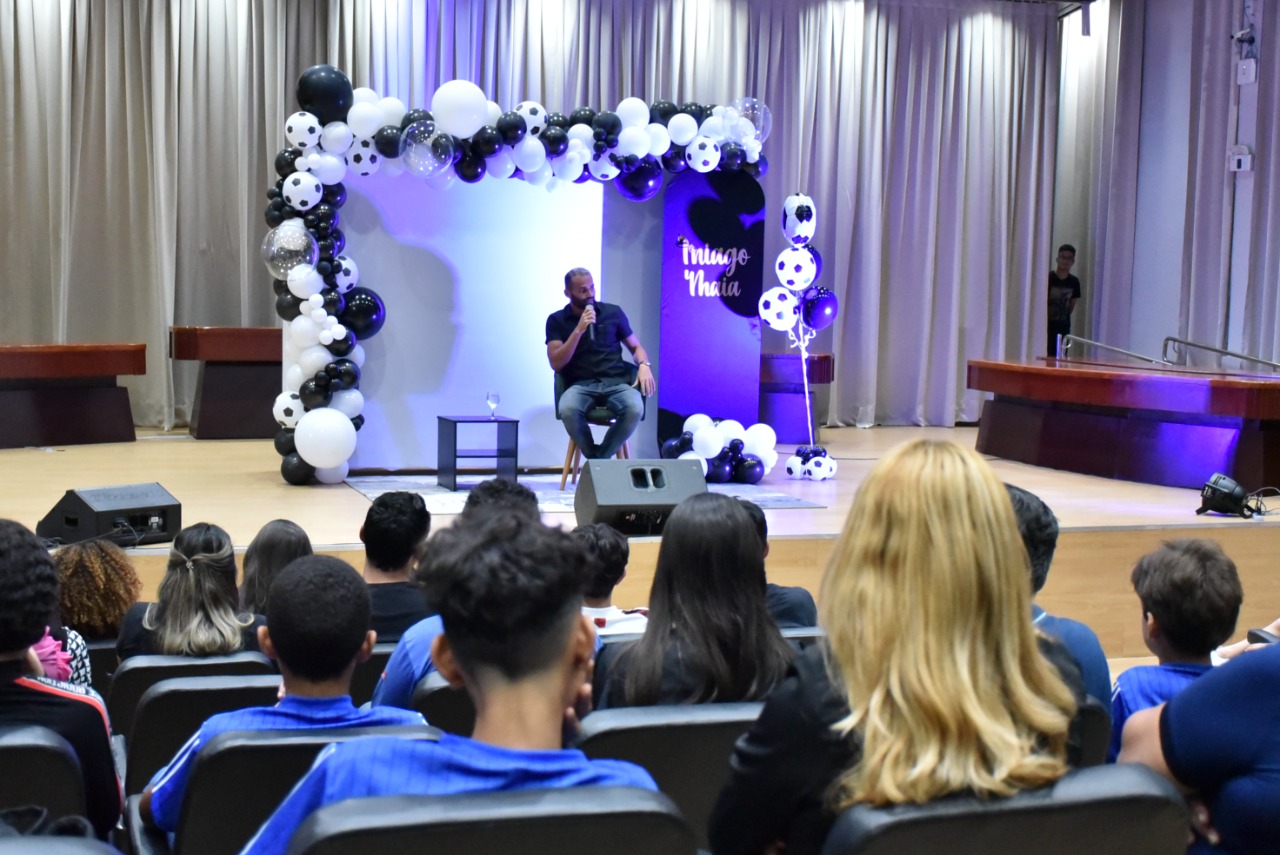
139,673
40,768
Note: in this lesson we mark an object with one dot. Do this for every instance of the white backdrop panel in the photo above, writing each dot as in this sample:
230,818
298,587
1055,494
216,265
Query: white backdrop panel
468,276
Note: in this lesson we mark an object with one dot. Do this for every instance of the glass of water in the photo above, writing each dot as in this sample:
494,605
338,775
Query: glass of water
492,399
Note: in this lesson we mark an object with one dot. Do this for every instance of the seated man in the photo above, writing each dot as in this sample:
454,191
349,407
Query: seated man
28,600
607,554
317,630
1191,595
1219,738
510,595
394,535
582,345
1039,529
790,607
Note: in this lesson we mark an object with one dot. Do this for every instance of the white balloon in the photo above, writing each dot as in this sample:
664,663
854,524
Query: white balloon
769,459
459,108
393,110
315,301
713,128
633,141
696,422
529,154
501,165
364,119
318,315
659,140
707,441
682,128
633,112
759,439
329,168
494,113
731,429
326,338
303,331
391,167
287,409
304,281
325,437
338,331
333,474
581,133
293,378
336,137
349,402
357,355
602,168
539,176
566,168
689,455
313,359
365,95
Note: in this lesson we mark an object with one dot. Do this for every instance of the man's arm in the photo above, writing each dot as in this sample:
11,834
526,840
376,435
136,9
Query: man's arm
644,376
1141,743
560,352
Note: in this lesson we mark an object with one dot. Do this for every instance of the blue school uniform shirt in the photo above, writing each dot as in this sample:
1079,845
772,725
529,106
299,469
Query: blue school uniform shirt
1082,643
292,713
392,767
1144,687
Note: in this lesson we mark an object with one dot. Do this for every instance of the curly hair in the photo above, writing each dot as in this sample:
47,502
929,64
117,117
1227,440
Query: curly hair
28,588
98,584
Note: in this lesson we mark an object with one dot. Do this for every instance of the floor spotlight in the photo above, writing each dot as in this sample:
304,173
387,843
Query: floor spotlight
1222,495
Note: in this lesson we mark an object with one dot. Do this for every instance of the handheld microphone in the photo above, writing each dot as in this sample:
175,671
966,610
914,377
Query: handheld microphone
591,330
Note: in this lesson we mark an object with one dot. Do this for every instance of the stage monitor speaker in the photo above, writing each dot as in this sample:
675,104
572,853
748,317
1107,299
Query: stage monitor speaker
129,515
635,496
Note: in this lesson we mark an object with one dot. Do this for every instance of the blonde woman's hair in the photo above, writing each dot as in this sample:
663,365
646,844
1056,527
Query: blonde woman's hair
926,603
196,609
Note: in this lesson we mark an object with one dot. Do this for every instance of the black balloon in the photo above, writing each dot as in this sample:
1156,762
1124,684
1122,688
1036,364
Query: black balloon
357,421
487,141
339,241
470,169
313,397
325,92
279,286
673,161
758,169
817,260
288,306
582,116
335,195
273,216
365,313
749,469
554,140
732,156
696,110
387,141
334,302
325,248
342,346
558,120
273,194
322,381
735,447
608,122
321,215
671,448
284,442
719,471
461,148
344,373
325,269
295,470
416,116
512,127
686,441
662,111
286,159
641,183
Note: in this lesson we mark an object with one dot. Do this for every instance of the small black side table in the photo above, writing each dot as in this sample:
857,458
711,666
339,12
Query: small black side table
448,454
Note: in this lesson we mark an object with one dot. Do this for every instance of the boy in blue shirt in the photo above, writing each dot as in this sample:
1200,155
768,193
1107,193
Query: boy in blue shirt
1191,595
317,630
509,593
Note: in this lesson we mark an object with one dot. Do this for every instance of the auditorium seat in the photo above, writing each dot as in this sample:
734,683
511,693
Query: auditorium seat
102,664
1095,732
216,818
685,747
443,706
57,846
366,675
1104,810
139,673
172,711
621,820
40,768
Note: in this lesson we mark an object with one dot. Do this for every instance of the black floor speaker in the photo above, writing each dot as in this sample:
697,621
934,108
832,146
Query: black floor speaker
130,514
635,496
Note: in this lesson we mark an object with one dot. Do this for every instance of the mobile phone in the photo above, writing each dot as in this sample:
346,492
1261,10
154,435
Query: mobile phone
1261,636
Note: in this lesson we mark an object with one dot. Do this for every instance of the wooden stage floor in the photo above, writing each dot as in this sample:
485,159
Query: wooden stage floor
1106,525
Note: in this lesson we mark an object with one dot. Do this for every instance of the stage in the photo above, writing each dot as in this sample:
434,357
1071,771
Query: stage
1106,524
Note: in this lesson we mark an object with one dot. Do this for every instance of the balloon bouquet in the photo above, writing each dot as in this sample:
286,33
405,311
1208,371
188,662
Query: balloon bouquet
799,308
727,450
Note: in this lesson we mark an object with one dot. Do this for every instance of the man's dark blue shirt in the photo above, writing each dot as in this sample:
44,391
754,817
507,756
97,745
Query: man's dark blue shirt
600,359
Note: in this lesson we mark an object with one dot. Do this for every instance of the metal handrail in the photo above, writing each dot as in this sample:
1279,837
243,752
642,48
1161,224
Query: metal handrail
1068,340
1164,351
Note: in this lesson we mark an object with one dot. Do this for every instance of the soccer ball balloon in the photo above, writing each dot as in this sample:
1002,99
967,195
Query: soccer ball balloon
535,116
302,191
703,154
363,157
287,409
302,129
780,309
795,468
820,468
796,268
346,274
799,220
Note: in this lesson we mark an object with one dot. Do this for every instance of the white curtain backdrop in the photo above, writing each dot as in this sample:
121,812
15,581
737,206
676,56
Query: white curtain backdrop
138,140
1262,302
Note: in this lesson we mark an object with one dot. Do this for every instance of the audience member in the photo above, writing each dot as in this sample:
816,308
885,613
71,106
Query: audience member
97,585
317,631
1220,739
709,637
789,606
929,683
1191,596
607,556
411,660
1231,651
1039,529
196,609
272,549
510,596
28,595
394,535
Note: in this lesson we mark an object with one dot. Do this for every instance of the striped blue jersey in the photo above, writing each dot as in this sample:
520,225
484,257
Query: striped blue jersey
1144,687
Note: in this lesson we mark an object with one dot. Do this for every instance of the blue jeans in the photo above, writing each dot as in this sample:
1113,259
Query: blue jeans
623,401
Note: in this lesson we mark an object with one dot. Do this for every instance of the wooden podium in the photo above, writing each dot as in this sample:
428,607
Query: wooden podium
66,394
239,379
1156,425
